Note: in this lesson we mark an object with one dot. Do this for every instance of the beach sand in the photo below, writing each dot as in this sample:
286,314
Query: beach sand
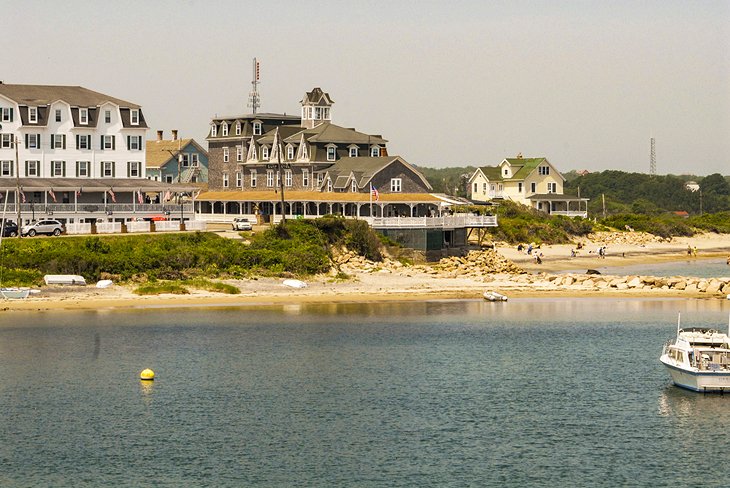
406,284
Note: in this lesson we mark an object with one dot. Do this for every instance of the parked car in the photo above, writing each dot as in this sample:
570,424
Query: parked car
240,223
46,226
10,228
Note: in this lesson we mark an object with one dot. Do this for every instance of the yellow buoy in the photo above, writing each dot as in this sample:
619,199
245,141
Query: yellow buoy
147,375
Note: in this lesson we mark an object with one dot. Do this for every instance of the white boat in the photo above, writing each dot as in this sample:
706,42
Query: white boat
64,280
699,359
493,296
294,283
14,293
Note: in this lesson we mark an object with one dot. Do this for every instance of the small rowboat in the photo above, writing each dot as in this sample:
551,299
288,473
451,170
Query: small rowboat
493,296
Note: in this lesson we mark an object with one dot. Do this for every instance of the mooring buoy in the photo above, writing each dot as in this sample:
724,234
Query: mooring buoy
147,375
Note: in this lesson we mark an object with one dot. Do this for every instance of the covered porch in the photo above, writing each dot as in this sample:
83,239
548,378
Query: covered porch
556,204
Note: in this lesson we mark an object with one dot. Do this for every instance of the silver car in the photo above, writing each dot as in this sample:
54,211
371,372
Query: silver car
46,226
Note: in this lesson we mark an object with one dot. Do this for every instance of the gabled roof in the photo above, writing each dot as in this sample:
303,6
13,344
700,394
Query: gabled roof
161,152
76,96
363,169
522,167
285,131
329,132
317,97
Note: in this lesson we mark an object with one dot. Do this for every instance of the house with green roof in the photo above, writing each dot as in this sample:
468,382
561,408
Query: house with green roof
533,182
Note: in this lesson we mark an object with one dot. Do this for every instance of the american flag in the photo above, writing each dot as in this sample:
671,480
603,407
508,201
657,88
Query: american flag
53,195
112,195
140,198
374,193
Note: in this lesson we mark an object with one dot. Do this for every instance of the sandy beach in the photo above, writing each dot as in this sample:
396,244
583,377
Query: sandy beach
405,283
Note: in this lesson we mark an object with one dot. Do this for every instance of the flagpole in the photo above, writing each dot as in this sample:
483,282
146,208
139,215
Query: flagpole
371,202
17,183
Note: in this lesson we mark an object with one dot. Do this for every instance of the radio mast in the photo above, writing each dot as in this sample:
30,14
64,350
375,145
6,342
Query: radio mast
652,158
254,100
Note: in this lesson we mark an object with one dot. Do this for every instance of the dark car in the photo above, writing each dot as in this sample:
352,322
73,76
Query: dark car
45,226
10,228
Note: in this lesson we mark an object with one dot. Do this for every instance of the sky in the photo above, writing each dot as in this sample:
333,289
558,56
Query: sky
586,84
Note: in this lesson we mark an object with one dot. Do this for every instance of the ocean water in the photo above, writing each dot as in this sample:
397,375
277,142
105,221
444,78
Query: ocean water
697,268
531,392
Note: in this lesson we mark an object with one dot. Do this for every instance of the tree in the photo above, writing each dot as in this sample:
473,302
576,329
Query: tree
715,183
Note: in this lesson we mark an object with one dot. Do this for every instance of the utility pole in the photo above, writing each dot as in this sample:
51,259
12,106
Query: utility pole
17,185
603,197
652,157
276,149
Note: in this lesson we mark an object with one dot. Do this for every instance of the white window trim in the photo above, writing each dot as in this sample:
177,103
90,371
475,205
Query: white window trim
194,160
239,153
225,180
305,178
226,155
269,178
6,168
135,167
239,179
333,155
57,169
373,149
58,117
257,128
107,116
83,116
224,129
6,141
396,185
213,130
354,151
134,117
32,115
254,177
5,114
107,167
265,153
108,142
289,152
238,128
34,165
85,165
288,180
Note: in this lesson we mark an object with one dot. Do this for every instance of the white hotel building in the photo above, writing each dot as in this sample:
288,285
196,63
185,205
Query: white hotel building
80,156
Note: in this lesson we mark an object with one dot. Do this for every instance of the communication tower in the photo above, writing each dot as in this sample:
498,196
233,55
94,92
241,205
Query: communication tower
254,100
652,158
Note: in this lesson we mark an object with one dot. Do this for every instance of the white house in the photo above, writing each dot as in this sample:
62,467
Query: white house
534,182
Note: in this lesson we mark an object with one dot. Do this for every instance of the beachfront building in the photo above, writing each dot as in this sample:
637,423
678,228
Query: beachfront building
323,168
533,182
73,153
176,160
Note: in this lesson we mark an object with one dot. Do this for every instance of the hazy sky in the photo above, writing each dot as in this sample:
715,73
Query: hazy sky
584,83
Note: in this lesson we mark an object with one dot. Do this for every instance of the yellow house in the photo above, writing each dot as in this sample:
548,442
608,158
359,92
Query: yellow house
534,182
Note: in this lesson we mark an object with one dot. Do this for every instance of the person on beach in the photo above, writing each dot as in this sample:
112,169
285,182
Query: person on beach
694,252
689,250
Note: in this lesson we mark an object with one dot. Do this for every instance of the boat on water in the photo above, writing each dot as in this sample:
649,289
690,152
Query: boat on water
493,296
698,359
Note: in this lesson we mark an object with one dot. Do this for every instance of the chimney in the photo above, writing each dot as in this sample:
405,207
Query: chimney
159,135
174,134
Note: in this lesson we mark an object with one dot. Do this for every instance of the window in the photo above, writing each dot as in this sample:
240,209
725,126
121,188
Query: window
476,186
269,178
134,143
305,178
7,114
320,178
533,187
265,153
58,141
239,179
107,169
395,185
329,185
353,186
353,151
83,116
107,116
184,160
505,171
253,178
134,117
278,179
331,153
317,113
32,141
194,162
58,115
107,142
133,169
32,115
6,141
257,128
168,178
82,169
544,170
375,151
552,187
32,168
83,141
226,155
239,153
289,152
287,178
224,129
225,180
519,187
6,168
58,168
238,128
213,130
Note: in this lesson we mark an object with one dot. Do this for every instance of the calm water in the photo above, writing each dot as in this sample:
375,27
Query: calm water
698,268
456,393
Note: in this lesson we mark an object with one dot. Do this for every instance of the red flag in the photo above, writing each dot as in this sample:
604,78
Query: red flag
53,195
112,195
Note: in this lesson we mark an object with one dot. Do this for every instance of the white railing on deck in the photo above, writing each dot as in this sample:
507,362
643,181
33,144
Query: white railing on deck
447,222
78,228
108,227
133,226
570,213
195,225
167,225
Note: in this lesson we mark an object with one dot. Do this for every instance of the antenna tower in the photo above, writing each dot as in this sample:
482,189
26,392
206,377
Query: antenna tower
254,100
652,158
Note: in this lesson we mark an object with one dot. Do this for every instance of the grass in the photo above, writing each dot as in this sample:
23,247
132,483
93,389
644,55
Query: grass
182,287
